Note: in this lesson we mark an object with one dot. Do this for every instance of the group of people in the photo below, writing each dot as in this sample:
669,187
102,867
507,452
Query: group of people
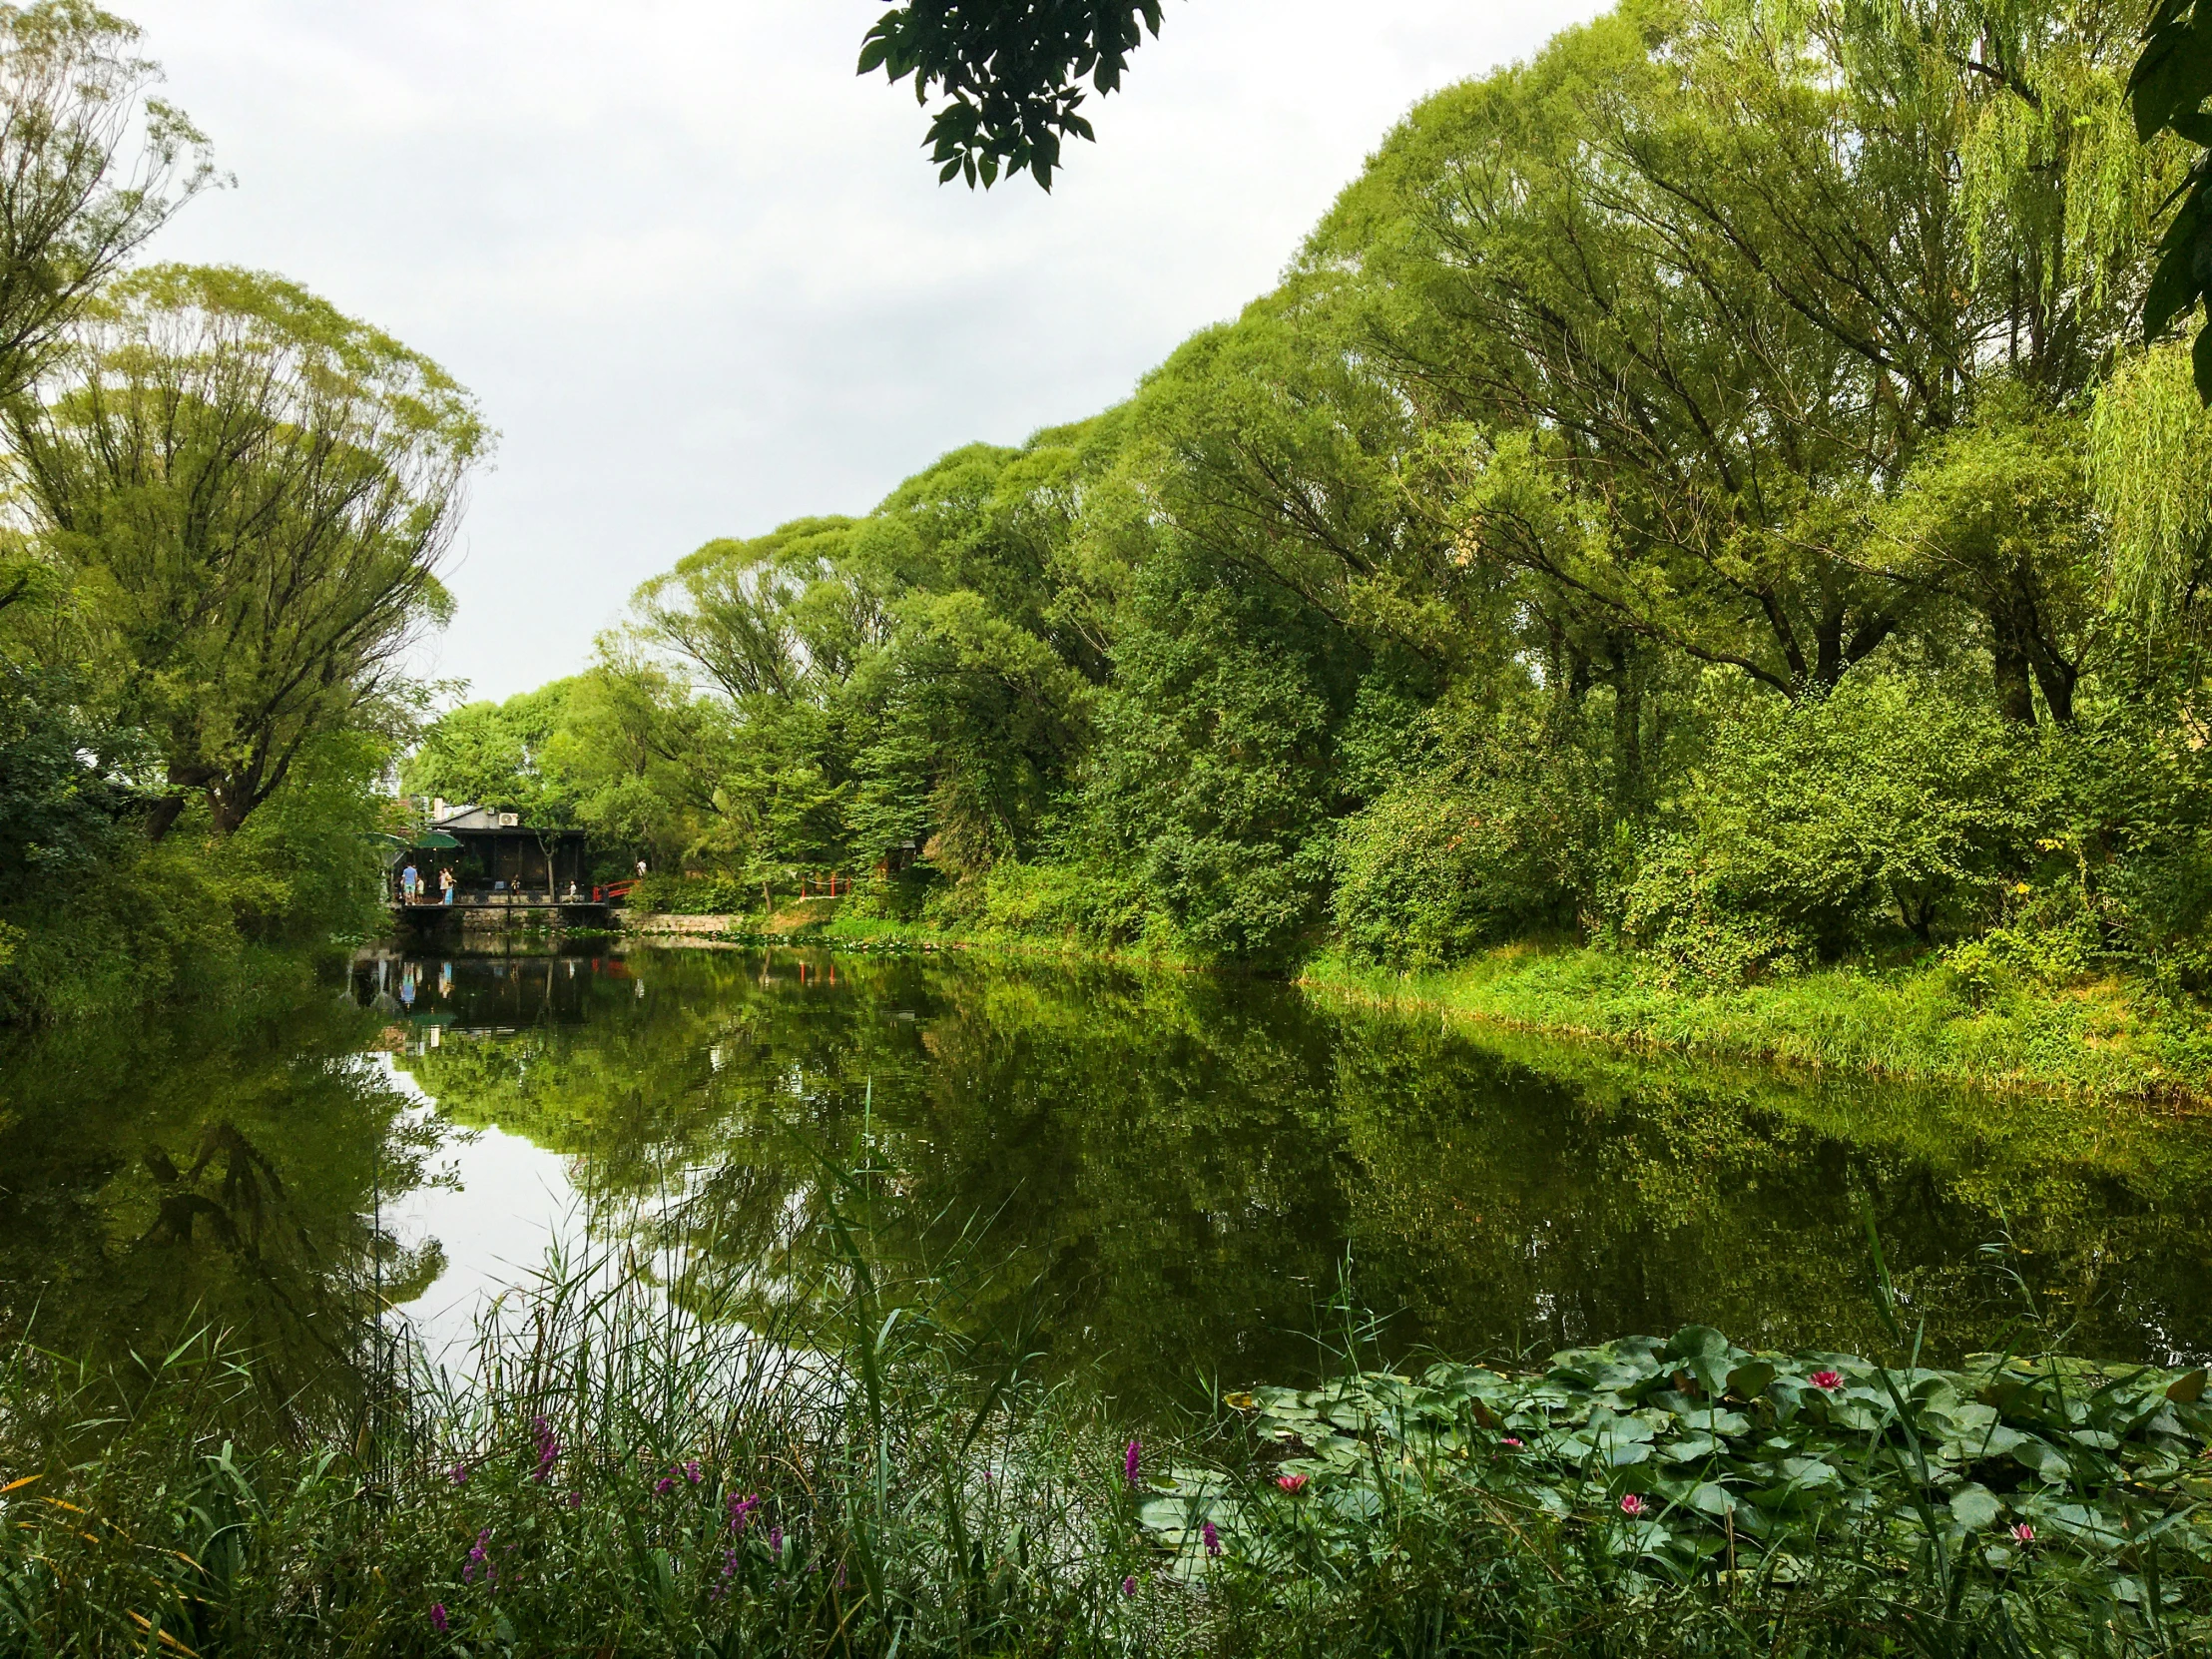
414,891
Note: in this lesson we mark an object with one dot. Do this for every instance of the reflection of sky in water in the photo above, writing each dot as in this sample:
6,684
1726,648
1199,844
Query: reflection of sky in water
510,1201
1175,1172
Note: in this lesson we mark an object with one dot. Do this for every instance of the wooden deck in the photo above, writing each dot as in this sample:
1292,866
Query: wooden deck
485,905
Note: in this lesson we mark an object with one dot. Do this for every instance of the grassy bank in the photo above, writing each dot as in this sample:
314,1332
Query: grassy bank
614,1477
1964,1020
828,922
2104,1038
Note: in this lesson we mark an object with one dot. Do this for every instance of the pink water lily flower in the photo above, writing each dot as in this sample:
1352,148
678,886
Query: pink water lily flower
1827,1380
1291,1482
1511,1442
2022,1533
1632,1506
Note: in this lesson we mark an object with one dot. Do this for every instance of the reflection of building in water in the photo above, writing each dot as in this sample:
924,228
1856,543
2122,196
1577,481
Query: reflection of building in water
428,996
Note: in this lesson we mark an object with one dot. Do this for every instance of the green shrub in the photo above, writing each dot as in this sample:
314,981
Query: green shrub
1884,813
1101,906
694,896
1465,856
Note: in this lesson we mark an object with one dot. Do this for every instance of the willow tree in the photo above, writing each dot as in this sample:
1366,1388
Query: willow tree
1726,270
91,164
250,494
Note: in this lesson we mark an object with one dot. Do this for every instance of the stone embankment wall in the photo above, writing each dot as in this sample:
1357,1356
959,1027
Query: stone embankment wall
682,925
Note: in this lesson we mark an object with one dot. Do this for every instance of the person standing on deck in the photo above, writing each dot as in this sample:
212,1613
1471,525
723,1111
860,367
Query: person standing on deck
445,882
408,880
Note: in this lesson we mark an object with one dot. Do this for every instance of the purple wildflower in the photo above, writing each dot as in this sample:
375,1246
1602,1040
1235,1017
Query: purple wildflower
1132,1461
576,1500
438,1617
549,1447
690,1471
729,1571
667,1483
741,1511
1129,1587
776,1543
1212,1538
459,1475
477,1559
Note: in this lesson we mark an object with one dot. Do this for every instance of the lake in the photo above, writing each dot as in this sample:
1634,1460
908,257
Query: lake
1159,1181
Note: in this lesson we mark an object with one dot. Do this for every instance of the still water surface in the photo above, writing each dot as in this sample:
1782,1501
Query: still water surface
1159,1177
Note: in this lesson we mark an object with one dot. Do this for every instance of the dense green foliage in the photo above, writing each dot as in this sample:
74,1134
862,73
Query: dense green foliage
1697,490
619,1480
228,505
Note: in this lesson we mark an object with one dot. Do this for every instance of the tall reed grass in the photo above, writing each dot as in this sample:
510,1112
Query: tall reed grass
608,1470
612,1469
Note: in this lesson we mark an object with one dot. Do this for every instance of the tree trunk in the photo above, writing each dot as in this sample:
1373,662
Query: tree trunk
2057,678
2015,691
170,807
1628,725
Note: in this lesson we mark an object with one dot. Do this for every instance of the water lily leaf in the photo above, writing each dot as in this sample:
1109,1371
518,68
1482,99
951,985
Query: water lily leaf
1963,1418
1809,1473
1353,1502
1749,1380
2042,1457
1691,1449
1710,1498
1705,1353
2188,1387
1996,1441
1974,1507
1622,1454
1613,1428
1718,1421
1163,1514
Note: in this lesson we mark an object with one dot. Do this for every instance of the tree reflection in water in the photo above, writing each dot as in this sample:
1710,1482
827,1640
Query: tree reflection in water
1155,1178
220,1168
1165,1177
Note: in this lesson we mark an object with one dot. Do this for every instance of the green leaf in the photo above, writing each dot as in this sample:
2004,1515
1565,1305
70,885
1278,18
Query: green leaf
1974,1506
1704,1352
2045,1459
1711,1498
1749,1380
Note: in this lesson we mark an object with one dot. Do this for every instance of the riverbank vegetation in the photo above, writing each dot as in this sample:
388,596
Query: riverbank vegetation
1697,496
227,506
621,1476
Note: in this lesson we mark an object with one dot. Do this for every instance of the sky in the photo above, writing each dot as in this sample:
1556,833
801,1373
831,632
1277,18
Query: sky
701,277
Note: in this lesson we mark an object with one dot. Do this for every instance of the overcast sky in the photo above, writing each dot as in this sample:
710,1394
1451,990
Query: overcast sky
703,280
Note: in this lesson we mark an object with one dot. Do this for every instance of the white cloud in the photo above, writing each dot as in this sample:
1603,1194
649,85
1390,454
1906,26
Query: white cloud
700,274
